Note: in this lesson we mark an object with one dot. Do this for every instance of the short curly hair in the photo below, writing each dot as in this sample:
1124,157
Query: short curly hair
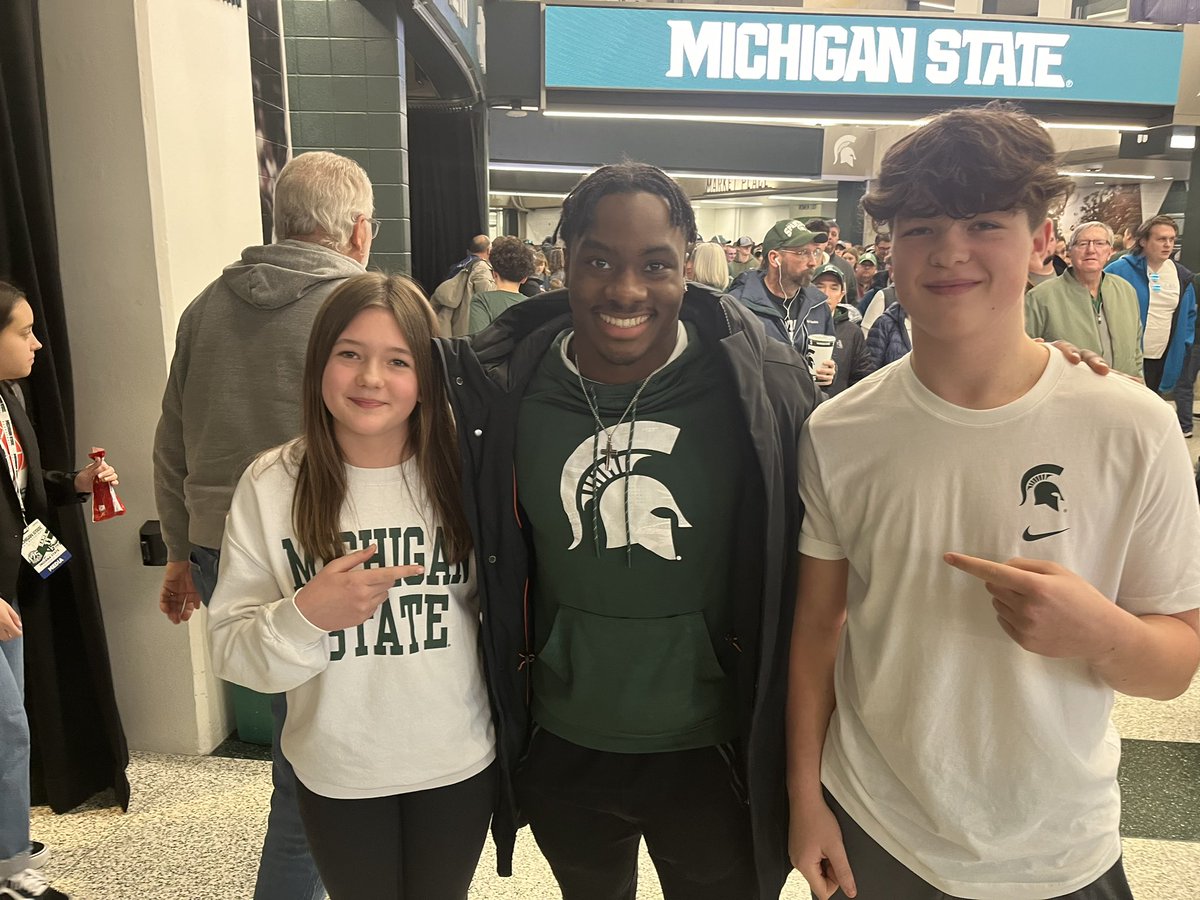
512,258
579,207
968,161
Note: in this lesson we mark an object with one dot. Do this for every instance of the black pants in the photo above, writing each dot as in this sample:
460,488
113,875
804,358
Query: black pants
589,811
1152,369
880,876
419,846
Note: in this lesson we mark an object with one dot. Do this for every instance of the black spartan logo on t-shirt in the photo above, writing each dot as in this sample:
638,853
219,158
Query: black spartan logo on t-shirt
1049,507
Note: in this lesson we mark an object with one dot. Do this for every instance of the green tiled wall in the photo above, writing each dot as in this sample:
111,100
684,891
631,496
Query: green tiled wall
345,62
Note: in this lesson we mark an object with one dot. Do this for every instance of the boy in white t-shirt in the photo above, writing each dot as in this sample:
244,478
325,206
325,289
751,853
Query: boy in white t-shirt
974,588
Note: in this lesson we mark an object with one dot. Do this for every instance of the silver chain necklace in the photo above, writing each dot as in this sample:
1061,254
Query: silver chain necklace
609,453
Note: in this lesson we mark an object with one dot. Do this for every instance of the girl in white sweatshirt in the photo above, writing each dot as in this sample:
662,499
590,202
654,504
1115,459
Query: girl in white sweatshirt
347,581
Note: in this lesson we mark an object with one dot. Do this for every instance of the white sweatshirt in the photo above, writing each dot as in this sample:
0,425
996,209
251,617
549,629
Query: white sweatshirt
397,704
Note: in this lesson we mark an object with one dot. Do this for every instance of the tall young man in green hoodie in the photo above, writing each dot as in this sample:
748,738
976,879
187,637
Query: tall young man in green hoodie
652,428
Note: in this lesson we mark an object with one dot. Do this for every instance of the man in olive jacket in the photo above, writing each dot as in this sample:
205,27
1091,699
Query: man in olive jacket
1092,309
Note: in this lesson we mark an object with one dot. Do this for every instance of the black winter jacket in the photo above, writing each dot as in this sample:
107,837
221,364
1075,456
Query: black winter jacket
487,377
751,289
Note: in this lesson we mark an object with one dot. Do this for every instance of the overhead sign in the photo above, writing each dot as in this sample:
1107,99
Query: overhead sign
735,185
628,48
848,153
1187,107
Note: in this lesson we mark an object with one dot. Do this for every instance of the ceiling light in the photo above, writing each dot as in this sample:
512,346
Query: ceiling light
1108,14
1096,126
724,203
540,167
931,5
798,198
1183,141
1108,175
764,119
527,194
553,169
1098,182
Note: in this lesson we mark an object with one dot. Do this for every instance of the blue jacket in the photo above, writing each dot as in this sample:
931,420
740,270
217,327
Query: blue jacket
1183,328
751,289
888,340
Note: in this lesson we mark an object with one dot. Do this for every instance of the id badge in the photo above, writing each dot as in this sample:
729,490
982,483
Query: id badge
42,550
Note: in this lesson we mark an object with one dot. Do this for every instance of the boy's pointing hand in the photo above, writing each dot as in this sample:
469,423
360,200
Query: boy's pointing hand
1044,607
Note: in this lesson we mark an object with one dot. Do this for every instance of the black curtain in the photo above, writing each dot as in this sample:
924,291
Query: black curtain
79,746
447,164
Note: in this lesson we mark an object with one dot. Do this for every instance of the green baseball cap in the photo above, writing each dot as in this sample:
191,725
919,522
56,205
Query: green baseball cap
787,233
869,258
830,269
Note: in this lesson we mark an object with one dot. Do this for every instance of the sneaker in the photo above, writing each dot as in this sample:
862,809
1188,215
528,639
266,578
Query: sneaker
29,885
1188,433
39,854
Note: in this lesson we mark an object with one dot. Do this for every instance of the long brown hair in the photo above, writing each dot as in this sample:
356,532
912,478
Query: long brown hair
321,476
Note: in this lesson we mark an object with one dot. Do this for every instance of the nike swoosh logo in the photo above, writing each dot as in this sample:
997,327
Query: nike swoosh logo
1037,537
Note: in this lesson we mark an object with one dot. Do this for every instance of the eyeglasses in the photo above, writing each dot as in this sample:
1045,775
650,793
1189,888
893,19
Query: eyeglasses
1098,244
814,253
375,223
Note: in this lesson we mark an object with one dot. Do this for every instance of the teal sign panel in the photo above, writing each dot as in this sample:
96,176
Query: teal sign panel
723,50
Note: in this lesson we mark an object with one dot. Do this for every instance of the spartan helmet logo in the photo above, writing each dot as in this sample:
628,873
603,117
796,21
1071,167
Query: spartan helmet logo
587,481
1043,482
843,151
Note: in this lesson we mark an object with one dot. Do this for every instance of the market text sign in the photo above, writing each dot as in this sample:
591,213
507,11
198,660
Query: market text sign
624,48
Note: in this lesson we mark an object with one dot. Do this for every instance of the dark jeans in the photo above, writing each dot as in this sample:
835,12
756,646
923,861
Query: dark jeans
589,810
419,846
880,876
14,757
1184,389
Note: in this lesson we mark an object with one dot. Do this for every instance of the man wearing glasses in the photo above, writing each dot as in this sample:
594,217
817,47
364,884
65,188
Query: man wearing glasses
233,391
1092,309
779,292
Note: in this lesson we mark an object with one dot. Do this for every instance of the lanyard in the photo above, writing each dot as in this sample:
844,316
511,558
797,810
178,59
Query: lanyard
13,453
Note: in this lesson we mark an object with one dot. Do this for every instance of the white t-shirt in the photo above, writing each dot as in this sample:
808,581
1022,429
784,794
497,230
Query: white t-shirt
397,704
1164,297
987,770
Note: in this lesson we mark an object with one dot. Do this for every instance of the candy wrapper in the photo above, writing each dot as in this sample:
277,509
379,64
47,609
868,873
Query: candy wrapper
105,502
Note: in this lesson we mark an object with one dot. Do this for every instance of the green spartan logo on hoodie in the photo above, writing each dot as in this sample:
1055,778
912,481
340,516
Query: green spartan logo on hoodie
587,481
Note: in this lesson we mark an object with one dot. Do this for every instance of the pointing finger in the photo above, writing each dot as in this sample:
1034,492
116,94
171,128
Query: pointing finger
996,575
393,574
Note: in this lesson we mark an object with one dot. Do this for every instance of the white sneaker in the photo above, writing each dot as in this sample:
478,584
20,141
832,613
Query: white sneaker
39,854
29,885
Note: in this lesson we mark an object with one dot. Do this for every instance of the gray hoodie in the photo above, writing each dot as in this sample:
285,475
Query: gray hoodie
234,386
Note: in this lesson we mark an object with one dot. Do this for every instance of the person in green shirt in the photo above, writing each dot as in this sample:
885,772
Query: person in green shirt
512,263
634,589
743,257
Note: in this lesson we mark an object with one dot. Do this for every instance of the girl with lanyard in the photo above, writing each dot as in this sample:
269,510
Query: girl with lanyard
26,548
347,581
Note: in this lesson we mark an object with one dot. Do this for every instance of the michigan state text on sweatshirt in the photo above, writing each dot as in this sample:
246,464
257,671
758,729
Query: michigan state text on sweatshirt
397,704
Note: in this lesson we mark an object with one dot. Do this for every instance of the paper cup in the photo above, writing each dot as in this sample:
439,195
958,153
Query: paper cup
820,350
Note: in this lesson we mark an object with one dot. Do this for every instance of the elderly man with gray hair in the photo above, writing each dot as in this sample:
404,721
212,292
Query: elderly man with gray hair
234,391
1090,308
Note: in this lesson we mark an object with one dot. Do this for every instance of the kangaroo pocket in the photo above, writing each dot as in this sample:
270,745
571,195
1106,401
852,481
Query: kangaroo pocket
601,677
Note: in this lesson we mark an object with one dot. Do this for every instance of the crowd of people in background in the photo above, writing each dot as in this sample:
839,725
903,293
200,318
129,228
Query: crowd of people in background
503,562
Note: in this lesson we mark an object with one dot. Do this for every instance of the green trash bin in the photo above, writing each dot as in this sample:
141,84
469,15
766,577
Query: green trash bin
252,712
